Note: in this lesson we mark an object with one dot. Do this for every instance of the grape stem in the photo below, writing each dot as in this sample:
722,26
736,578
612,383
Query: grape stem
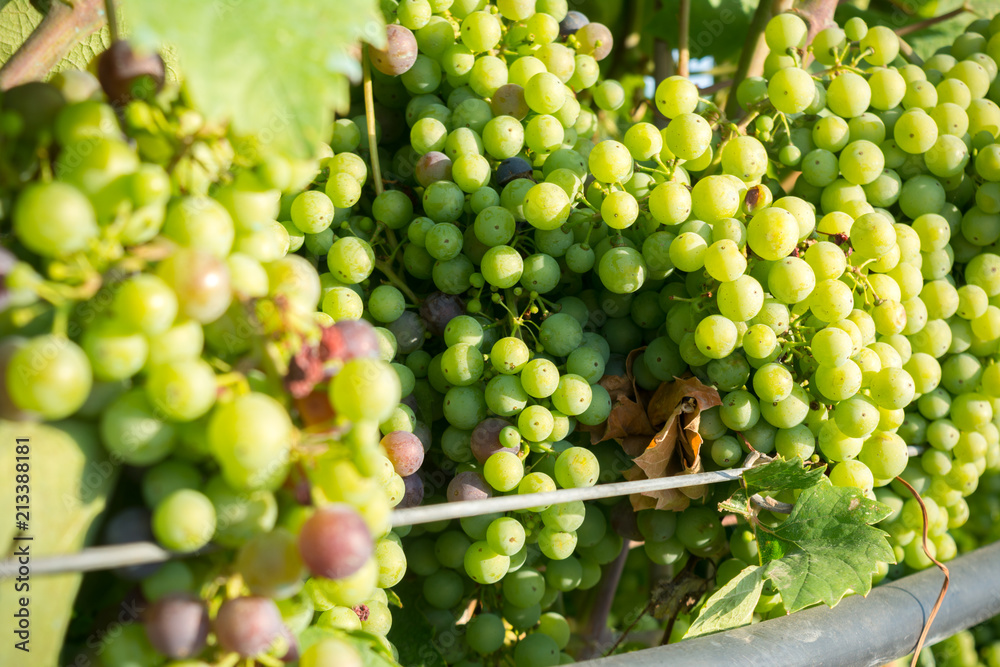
370,118
597,623
397,281
941,566
112,14
683,50
63,26
934,20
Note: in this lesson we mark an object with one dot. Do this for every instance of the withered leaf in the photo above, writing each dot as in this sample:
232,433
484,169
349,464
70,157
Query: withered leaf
676,448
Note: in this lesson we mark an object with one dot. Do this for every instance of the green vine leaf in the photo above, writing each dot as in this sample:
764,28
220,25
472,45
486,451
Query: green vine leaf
275,70
769,480
826,548
781,475
732,605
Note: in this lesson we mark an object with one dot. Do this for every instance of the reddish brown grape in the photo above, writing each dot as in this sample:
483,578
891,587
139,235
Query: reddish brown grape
468,485
485,440
358,339
249,626
405,451
596,40
509,101
335,542
177,625
126,75
431,167
400,51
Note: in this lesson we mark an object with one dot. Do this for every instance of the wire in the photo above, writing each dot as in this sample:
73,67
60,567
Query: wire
141,553
430,513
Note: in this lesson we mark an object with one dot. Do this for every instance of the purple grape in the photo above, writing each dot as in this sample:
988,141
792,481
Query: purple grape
572,22
423,431
400,51
485,439
431,167
438,309
335,542
414,492
405,451
249,626
468,485
177,625
359,339
131,525
409,332
512,169
411,402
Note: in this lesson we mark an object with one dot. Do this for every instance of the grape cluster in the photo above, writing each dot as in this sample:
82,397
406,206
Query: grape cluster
151,298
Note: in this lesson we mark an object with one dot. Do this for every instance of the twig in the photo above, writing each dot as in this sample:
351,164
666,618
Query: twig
926,23
909,53
771,505
370,117
63,26
818,14
597,623
941,566
715,87
683,48
112,16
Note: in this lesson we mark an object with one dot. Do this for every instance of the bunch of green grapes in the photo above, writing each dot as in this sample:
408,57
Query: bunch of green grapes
519,254
155,304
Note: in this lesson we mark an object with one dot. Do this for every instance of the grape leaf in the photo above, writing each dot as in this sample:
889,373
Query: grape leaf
826,548
768,480
70,480
781,475
732,605
276,70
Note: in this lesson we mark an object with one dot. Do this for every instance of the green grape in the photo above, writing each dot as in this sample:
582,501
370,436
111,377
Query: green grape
716,336
484,565
183,390
485,633
853,474
791,90
184,521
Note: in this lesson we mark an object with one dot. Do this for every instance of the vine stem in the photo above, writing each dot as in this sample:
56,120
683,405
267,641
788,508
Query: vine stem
112,16
683,45
920,25
370,117
754,48
941,566
597,624
63,26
